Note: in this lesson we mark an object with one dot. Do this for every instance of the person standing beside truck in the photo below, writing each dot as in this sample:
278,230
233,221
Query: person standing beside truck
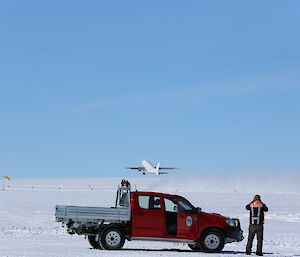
256,227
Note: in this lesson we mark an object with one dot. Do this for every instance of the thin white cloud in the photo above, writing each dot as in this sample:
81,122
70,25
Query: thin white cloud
240,85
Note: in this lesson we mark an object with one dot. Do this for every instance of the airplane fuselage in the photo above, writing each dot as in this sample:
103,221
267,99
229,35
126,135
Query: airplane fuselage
149,167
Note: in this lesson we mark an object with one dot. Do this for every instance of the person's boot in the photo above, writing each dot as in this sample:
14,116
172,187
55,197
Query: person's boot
248,252
259,254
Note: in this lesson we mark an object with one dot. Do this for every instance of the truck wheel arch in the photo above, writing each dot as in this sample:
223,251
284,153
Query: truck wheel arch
120,226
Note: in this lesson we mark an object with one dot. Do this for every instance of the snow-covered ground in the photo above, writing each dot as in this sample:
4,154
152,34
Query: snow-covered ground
28,228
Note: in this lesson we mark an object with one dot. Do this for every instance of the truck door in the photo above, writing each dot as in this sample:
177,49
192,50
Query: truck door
148,217
187,220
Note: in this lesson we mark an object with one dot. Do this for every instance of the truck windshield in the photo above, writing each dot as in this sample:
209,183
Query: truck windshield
184,205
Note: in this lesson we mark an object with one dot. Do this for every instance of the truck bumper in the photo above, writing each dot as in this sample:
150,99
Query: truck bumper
234,234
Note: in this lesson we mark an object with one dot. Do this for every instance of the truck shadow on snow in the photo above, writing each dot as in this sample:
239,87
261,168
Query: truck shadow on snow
185,251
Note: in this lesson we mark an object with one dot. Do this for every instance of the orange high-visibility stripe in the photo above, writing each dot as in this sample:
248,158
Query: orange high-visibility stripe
256,203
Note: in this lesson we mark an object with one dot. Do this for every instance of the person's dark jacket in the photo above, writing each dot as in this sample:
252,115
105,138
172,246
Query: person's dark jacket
257,209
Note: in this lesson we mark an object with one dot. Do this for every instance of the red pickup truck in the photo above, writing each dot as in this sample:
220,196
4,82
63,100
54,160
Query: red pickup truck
156,216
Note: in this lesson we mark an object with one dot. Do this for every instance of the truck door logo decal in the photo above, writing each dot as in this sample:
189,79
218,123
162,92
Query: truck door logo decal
189,221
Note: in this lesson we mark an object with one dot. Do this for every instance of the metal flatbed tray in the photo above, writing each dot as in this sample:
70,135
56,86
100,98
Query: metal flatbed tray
91,214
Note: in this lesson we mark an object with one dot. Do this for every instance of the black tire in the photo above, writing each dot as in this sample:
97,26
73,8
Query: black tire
195,247
212,241
93,242
111,238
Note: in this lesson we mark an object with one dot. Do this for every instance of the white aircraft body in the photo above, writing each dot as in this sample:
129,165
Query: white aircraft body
149,168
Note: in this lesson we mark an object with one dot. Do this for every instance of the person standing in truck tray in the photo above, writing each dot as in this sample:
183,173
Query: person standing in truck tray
256,226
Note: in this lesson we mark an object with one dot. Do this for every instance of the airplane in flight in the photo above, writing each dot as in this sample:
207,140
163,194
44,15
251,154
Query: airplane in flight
149,168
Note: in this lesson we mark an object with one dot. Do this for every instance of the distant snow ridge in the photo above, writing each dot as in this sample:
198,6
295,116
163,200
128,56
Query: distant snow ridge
267,183
179,182
285,216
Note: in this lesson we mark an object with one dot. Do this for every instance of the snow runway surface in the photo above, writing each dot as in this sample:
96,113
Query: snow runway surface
28,228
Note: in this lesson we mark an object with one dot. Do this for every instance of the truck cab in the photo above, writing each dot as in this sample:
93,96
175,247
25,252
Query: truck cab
166,217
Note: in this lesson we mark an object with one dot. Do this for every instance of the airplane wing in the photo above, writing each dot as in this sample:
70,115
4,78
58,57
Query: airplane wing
136,168
167,168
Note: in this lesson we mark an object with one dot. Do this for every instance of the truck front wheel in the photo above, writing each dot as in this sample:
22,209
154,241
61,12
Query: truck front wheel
212,241
111,238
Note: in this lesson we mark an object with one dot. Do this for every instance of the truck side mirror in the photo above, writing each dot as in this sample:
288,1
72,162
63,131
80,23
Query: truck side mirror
175,208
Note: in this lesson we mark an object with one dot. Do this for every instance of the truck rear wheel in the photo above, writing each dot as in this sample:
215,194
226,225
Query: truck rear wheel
93,242
212,241
111,238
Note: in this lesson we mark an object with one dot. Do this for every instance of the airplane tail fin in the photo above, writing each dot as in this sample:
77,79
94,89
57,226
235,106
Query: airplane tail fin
157,168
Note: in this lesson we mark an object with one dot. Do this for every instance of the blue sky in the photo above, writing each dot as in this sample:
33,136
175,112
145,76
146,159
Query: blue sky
90,87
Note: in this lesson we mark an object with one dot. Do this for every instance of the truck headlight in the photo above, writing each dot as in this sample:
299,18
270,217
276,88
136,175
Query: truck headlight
231,222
